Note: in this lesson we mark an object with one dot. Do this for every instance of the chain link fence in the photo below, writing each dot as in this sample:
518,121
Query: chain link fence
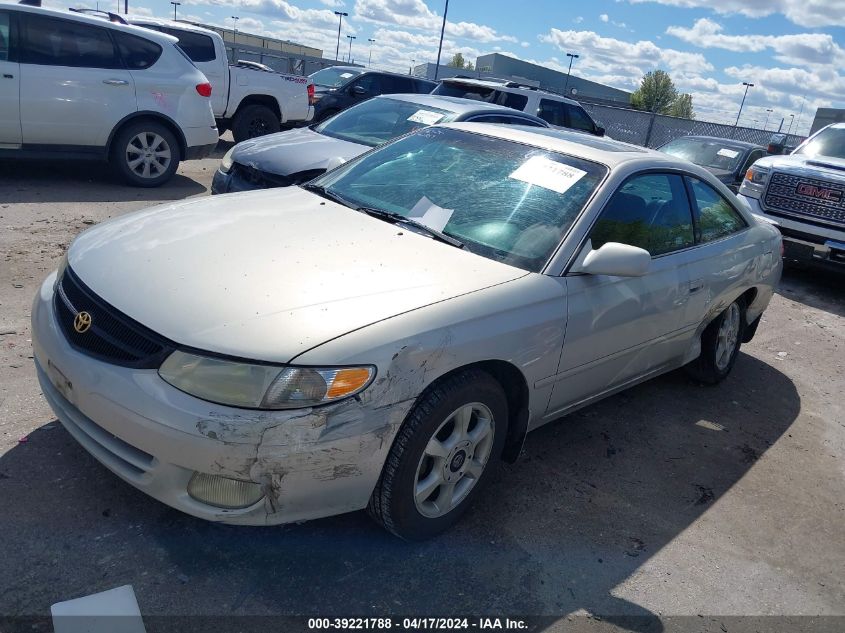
654,130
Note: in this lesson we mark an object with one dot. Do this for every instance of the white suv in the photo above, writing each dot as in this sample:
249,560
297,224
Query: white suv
76,86
556,110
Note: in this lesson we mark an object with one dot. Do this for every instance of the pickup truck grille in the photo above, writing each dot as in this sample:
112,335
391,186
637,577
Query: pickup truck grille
821,200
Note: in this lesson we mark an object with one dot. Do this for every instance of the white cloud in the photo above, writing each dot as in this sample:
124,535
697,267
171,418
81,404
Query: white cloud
334,4
578,19
604,17
801,48
811,13
416,14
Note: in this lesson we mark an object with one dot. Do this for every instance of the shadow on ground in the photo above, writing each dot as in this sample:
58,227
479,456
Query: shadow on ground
595,495
55,181
816,287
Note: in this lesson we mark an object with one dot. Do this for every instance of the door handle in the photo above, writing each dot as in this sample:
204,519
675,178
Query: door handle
695,285
115,82
5,76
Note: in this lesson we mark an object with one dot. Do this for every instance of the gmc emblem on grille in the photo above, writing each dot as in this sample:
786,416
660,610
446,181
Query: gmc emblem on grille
820,193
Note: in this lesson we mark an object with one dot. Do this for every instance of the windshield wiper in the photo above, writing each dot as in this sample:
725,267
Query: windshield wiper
388,216
398,218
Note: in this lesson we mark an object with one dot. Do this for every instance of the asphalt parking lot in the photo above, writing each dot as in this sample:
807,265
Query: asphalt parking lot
670,499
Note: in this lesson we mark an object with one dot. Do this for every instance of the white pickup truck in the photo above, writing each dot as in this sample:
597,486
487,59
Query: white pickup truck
245,98
803,194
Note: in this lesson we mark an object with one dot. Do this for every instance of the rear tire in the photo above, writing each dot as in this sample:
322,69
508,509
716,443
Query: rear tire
253,121
445,452
145,154
720,343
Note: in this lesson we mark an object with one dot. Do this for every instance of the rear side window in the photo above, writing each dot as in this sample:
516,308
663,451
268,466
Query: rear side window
395,85
137,53
716,217
199,47
5,36
580,120
55,42
481,93
552,112
650,211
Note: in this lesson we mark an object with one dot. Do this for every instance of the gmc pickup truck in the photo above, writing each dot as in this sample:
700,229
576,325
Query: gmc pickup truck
249,100
803,194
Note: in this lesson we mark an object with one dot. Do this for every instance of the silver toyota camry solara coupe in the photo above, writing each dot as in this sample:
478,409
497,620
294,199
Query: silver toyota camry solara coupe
383,336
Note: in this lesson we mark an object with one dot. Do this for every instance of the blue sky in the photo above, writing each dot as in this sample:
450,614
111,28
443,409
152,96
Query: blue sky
792,50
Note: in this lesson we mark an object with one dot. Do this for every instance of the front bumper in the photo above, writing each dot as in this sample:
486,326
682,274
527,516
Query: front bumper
805,241
310,463
230,183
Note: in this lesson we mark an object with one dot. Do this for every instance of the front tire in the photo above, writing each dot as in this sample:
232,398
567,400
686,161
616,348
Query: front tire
720,343
444,454
145,154
253,121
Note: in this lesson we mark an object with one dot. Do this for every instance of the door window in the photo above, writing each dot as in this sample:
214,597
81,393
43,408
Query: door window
715,216
553,112
580,120
650,211
55,42
756,155
371,83
5,37
137,53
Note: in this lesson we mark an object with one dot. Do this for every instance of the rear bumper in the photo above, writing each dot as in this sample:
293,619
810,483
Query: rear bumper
805,242
200,141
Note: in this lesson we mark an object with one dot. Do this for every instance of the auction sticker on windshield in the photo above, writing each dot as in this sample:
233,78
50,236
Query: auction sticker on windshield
727,153
548,174
426,117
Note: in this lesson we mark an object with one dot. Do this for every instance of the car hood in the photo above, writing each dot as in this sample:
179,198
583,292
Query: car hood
294,151
269,274
799,164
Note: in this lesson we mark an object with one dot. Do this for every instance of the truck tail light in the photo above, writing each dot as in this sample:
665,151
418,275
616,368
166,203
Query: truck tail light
310,94
204,90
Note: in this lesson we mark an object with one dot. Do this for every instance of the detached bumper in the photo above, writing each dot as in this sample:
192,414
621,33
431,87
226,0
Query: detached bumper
309,463
804,241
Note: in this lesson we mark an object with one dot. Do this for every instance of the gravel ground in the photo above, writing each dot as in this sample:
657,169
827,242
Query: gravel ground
668,499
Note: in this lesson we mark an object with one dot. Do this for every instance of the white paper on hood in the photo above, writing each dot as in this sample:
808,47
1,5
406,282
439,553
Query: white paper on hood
728,153
548,174
428,213
346,75
112,611
426,117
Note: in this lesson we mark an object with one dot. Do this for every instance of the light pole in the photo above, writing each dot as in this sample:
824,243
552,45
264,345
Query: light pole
411,67
175,4
340,15
370,59
768,112
351,37
791,119
235,32
440,46
747,86
572,57
798,121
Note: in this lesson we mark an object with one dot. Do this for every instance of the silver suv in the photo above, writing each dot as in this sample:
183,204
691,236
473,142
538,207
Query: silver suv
556,110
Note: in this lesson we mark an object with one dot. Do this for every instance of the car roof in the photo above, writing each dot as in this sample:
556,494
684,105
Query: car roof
718,139
156,36
175,24
361,70
457,105
503,85
593,148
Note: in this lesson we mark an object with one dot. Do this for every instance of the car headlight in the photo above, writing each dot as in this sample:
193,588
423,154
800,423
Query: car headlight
255,386
754,182
226,163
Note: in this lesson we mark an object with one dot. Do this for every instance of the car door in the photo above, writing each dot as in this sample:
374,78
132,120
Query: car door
723,255
366,86
10,110
623,328
73,88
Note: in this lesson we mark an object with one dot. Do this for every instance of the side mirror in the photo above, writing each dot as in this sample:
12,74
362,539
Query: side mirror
359,90
619,260
600,131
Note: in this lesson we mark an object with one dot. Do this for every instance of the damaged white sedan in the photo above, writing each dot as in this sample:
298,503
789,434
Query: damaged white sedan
383,336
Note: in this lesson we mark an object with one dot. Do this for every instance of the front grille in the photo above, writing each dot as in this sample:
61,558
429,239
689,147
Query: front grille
258,178
112,336
798,195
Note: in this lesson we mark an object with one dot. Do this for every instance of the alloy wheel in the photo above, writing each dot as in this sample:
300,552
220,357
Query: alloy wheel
453,460
727,337
148,155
